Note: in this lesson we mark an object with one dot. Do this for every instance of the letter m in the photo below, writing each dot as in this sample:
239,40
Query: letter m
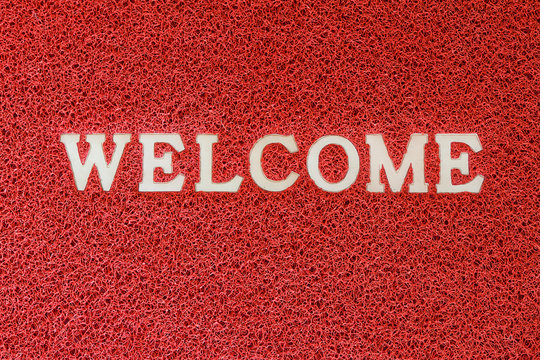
95,156
413,158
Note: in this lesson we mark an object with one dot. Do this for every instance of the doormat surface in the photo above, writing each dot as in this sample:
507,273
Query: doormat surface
300,273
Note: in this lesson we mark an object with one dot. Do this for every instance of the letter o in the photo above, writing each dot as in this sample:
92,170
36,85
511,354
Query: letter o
313,163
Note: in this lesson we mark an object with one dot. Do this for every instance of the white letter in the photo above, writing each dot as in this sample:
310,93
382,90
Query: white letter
95,157
313,163
205,142
255,166
461,163
150,162
414,157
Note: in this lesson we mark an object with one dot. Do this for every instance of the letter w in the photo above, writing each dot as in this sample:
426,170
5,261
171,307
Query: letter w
95,156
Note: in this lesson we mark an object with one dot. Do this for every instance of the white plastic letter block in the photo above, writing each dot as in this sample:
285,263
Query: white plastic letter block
313,163
95,156
255,167
461,163
150,162
205,183
413,158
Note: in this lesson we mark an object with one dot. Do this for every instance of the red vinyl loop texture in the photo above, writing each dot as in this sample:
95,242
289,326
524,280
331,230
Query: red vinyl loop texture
301,273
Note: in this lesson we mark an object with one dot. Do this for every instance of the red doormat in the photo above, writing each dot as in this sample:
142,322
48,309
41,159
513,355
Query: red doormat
301,273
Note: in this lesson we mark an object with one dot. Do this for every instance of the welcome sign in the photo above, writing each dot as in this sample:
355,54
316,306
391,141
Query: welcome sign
269,180
379,158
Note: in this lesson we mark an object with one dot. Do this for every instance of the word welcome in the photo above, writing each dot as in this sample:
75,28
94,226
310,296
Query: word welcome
378,155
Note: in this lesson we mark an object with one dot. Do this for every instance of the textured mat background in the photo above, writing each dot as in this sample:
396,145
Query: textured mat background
297,274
